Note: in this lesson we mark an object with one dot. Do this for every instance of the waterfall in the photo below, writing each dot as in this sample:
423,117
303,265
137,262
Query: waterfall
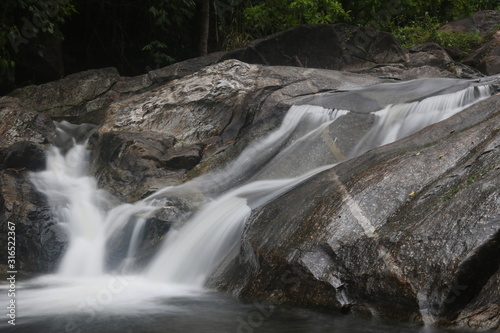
80,207
192,253
397,121
311,139
76,204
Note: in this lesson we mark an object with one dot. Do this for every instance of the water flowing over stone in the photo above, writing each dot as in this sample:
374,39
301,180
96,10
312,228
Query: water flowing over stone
411,225
79,206
240,211
262,172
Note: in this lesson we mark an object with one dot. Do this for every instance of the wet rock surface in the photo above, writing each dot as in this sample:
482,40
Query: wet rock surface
24,137
411,226
158,138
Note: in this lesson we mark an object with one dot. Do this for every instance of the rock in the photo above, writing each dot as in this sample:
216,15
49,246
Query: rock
430,54
21,124
183,68
483,22
490,65
80,97
22,155
39,240
68,96
203,114
132,84
487,57
175,212
428,60
455,53
482,312
336,46
24,136
131,165
184,156
411,226
403,72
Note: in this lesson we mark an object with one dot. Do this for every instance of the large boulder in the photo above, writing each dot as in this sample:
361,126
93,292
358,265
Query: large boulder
24,136
349,48
68,96
157,138
484,22
409,230
336,46
427,60
486,57
89,92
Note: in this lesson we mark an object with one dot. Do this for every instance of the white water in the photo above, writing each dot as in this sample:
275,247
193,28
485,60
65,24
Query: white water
395,122
75,199
189,253
79,207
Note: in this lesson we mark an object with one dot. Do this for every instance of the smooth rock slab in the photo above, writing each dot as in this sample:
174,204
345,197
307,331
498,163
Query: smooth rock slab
210,115
410,230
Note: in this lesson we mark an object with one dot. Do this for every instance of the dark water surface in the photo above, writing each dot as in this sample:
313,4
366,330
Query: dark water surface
45,308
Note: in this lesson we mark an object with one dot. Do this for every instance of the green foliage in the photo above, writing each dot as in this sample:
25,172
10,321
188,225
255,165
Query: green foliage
7,65
234,39
417,32
466,42
426,30
133,35
170,18
272,16
402,13
22,22
412,21
156,50
231,29
168,14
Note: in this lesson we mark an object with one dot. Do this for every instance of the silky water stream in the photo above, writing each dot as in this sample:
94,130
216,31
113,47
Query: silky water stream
168,294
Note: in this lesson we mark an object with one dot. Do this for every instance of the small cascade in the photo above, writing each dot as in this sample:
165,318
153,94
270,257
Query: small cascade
397,121
216,229
214,232
259,156
80,207
137,233
76,203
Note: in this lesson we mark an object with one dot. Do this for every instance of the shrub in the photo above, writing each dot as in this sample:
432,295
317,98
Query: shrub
427,31
464,41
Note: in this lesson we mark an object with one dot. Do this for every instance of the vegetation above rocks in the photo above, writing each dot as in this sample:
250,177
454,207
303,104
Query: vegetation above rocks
44,40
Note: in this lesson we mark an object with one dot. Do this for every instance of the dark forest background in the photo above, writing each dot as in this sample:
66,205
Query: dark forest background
43,40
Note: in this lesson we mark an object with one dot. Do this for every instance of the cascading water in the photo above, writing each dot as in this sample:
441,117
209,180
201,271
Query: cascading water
309,141
189,254
400,120
80,208
75,199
